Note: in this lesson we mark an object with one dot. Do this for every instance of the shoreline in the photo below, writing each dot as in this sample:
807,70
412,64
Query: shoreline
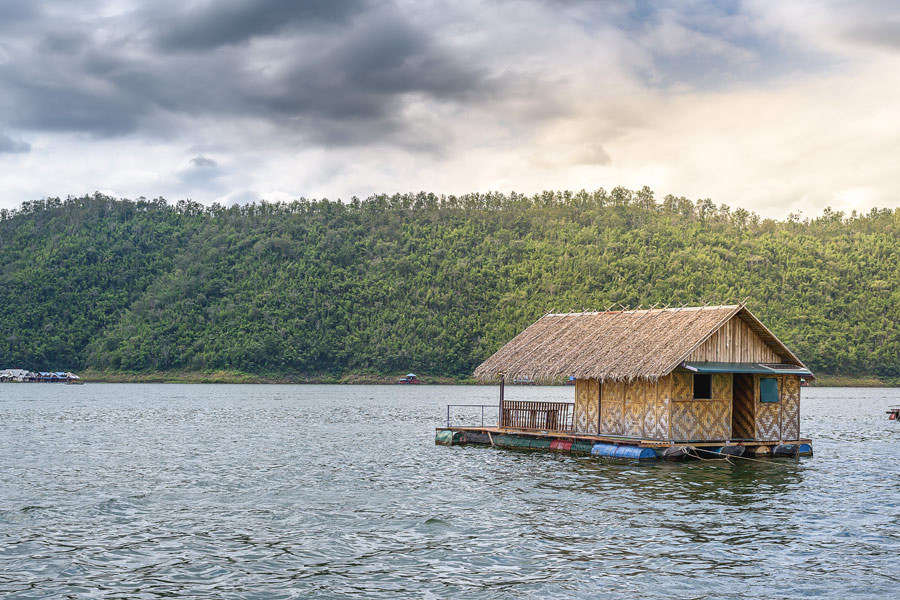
91,376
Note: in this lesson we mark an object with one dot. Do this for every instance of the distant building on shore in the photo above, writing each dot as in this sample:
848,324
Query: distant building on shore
21,375
24,376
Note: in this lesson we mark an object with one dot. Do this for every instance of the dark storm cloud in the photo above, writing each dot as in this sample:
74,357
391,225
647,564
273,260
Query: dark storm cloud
13,12
68,43
328,72
66,104
214,24
355,87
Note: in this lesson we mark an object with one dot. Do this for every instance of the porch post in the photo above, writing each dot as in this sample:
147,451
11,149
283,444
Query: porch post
500,417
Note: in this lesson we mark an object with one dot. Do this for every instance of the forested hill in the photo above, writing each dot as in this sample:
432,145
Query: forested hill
421,282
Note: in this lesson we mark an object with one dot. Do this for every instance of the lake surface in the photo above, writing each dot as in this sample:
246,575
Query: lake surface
232,491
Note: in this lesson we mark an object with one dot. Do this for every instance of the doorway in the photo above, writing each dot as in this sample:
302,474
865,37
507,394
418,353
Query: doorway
743,408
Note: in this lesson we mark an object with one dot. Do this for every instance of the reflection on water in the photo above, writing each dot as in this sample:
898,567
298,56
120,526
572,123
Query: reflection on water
144,491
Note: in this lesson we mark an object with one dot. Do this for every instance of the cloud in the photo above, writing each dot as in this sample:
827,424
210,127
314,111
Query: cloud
331,73
754,103
885,34
11,146
202,162
203,173
206,25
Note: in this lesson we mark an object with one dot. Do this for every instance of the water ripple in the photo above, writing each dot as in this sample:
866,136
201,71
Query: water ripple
149,491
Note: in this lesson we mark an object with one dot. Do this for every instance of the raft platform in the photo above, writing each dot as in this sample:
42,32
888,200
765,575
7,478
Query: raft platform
617,446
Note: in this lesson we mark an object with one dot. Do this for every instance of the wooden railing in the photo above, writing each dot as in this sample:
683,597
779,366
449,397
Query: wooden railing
466,411
543,416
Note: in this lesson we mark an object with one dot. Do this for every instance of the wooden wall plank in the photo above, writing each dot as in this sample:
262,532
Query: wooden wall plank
734,342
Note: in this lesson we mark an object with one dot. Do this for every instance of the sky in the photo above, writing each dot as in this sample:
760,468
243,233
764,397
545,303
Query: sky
775,106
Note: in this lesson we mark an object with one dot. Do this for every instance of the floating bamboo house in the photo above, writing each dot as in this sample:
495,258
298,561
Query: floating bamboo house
649,383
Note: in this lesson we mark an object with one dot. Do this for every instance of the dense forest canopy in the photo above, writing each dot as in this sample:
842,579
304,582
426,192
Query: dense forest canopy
421,282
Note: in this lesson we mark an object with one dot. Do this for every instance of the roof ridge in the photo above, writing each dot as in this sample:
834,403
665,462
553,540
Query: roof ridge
643,310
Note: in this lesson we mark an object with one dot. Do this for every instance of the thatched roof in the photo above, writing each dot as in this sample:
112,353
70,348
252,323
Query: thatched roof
617,345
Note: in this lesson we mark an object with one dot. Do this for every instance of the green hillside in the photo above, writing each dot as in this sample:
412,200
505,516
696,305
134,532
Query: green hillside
420,282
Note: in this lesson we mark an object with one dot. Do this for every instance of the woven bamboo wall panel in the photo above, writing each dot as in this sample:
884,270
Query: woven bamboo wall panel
635,392
580,405
682,386
613,391
719,415
611,417
612,407
662,418
701,420
633,419
734,342
587,405
663,393
636,406
650,411
767,421
790,407
684,421
721,386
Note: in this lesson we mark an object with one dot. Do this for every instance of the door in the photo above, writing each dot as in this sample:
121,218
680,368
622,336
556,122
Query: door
743,409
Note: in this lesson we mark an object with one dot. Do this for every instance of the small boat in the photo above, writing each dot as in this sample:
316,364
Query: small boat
409,379
894,413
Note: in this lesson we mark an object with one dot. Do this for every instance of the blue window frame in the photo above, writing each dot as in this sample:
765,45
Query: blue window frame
768,389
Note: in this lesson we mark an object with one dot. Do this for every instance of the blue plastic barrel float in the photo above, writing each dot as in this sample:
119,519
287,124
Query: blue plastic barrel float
614,451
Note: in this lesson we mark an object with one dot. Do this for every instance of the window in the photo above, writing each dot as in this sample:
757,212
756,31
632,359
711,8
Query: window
768,389
702,386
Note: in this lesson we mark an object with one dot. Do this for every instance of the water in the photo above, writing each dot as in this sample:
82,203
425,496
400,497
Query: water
147,491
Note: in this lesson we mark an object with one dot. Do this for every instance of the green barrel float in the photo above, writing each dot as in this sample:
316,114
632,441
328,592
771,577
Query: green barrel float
445,437
504,441
476,437
521,442
581,447
540,443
